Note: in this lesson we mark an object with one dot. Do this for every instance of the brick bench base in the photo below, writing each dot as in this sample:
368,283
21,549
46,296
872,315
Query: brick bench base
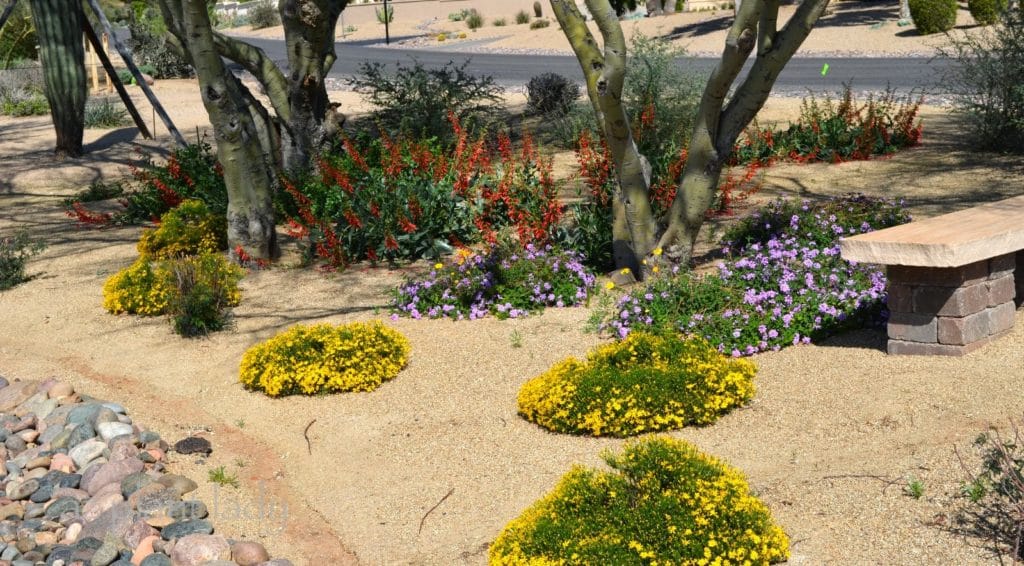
953,310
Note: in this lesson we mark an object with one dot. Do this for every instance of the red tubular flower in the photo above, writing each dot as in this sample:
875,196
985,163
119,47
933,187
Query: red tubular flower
390,242
405,225
352,219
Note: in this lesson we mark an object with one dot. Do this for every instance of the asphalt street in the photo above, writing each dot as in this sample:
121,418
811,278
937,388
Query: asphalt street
800,74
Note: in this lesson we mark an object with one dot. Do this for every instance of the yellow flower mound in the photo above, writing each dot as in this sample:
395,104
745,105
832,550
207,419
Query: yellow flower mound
324,358
663,503
138,289
645,383
188,229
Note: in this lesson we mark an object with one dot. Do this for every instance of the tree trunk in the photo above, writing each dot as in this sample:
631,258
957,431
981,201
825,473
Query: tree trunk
905,10
247,174
59,28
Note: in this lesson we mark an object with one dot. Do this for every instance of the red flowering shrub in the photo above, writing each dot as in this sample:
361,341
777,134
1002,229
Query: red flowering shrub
408,198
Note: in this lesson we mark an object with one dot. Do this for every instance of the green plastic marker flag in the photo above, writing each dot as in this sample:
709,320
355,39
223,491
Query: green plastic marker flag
824,70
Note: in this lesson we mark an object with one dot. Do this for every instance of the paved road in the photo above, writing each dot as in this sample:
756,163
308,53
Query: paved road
800,74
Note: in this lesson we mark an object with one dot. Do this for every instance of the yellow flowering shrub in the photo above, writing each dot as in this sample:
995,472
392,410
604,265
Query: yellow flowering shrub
188,229
139,289
645,383
663,502
324,358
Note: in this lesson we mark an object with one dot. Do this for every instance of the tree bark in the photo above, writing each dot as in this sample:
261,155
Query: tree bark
905,10
717,128
247,175
59,28
634,226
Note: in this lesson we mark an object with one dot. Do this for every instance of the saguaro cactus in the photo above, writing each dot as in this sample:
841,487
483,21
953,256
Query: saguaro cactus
59,28
537,12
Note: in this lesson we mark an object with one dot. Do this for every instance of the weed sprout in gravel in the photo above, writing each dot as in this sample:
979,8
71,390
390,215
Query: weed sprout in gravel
505,282
782,282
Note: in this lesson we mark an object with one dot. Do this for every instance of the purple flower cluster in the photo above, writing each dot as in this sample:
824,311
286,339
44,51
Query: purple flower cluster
786,289
505,283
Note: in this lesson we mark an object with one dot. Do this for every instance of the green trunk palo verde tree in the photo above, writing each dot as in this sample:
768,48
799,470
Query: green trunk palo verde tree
58,26
254,145
720,118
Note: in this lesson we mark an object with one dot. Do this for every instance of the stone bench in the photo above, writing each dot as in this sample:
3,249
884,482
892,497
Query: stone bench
952,278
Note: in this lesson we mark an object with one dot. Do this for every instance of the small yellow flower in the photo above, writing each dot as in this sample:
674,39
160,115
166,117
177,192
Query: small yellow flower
656,252
438,265
655,269
625,271
609,285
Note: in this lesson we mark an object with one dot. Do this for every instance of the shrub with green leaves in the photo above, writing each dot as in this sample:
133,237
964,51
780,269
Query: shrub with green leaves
105,114
994,510
416,100
15,251
204,287
149,47
662,501
190,172
385,15
551,94
539,24
645,383
933,16
187,229
522,17
499,22
18,38
986,82
986,12
474,20
264,14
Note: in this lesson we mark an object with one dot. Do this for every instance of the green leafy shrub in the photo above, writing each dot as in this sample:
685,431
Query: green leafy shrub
539,24
645,383
23,102
324,358
386,15
204,287
986,12
522,17
995,494
499,22
187,229
933,16
417,100
18,38
551,94
105,114
264,14
458,16
148,45
15,251
986,82
662,501
506,282
474,20
406,198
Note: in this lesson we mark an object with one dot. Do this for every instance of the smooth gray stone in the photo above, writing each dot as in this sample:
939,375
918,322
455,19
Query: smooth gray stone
185,528
156,559
116,407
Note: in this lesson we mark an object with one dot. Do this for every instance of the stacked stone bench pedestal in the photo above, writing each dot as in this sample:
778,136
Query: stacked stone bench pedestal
952,310
955,281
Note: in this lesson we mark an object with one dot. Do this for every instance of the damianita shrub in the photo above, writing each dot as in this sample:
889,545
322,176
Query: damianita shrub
151,288
503,282
645,383
663,502
323,358
837,131
188,229
190,172
405,198
986,82
933,16
15,252
783,281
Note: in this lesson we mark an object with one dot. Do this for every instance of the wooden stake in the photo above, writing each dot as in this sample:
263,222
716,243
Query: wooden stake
127,58
116,80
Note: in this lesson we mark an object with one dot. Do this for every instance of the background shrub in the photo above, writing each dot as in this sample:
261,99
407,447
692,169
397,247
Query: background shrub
988,82
15,251
190,172
933,16
149,47
323,358
105,114
522,17
986,12
474,20
385,16
188,229
539,24
499,22
662,501
416,100
994,510
264,14
645,383
505,282
18,38
204,286
551,94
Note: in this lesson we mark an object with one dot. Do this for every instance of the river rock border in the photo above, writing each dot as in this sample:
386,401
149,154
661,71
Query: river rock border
81,484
